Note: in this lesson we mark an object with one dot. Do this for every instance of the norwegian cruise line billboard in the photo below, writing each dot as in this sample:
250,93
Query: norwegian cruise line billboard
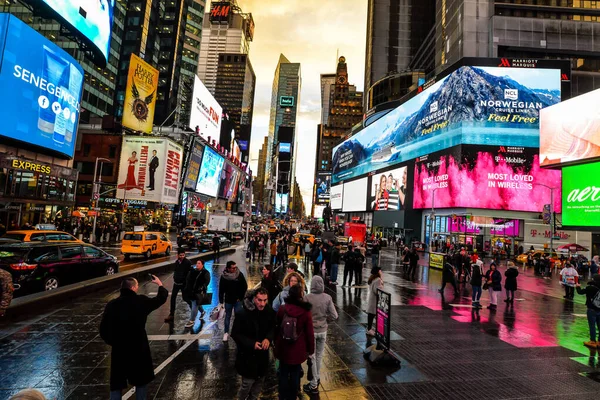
472,105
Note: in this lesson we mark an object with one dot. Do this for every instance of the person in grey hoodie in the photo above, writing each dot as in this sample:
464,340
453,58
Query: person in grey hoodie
323,311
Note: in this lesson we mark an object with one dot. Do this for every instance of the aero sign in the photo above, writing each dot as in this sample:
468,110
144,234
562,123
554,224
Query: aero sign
581,195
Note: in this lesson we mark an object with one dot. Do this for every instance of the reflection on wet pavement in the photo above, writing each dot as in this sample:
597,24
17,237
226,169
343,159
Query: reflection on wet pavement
448,350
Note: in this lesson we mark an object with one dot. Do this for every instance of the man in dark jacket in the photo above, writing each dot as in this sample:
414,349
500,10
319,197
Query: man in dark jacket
153,166
253,332
123,327
413,260
232,288
359,259
592,301
196,285
181,269
348,266
449,276
335,263
216,247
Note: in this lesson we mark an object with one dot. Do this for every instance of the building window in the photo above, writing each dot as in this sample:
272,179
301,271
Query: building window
112,151
86,149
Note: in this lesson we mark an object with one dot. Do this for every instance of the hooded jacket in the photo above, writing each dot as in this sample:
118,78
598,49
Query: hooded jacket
280,298
322,305
477,275
510,283
590,291
251,326
232,287
295,353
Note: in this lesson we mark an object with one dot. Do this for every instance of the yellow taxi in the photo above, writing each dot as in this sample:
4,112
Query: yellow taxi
301,237
554,258
40,236
145,243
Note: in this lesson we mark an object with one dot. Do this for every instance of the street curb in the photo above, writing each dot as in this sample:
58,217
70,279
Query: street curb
43,300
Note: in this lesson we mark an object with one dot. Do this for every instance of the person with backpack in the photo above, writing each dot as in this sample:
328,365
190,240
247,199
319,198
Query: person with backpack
592,301
375,282
510,283
294,341
570,278
253,332
476,282
196,285
232,289
493,283
291,279
322,311
348,266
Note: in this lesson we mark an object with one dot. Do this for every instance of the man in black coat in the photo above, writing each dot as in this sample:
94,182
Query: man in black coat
153,166
182,268
123,327
253,332
413,260
232,289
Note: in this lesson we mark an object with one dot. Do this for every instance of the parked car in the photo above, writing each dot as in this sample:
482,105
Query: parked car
46,266
188,239
40,236
206,241
145,243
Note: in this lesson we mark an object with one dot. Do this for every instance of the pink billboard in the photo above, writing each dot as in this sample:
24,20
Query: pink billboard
488,177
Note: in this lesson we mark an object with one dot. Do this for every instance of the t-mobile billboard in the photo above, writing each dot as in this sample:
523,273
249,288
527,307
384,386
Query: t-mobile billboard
472,105
490,177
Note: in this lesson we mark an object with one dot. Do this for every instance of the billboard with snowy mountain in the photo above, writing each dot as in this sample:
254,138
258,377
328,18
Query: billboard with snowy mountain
472,105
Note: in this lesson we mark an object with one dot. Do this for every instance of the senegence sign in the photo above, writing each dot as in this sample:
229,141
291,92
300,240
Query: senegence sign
581,195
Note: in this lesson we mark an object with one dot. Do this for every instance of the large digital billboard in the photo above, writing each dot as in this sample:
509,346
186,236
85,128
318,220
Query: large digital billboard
41,89
193,167
387,191
472,105
206,112
490,177
281,203
210,173
140,95
581,195
93,19
336,197
355,195
570,131
323,187
150,169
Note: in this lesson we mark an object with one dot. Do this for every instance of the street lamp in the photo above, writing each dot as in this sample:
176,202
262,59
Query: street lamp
552,222
95,194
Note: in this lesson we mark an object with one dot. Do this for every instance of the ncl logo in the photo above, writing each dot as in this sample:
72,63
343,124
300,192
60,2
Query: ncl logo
433,107
511,94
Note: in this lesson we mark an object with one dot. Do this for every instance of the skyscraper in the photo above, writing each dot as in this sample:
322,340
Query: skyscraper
259,182
326,81
281,161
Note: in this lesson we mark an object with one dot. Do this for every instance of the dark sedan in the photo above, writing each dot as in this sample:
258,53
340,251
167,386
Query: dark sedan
47,266
205,243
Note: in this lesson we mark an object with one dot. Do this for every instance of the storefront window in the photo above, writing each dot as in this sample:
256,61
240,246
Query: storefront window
26,184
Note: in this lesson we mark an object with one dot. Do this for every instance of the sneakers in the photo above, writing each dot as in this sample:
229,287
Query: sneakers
371,332
591,344
226,337
169,318
189,324
309,390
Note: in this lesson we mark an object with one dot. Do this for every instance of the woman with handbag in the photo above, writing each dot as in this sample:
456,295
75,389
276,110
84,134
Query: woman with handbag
195,291
493,283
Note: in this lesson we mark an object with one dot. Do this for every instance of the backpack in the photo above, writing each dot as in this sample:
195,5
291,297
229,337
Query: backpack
596,300
289,330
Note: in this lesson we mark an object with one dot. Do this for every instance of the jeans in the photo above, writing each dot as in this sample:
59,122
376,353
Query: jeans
493,296
358,270
250,388
228,309
510,294
569,292
316,268
194,307
334,272
374,260
476,294
273,259
370,319
289,381
348,270
316,358
176,289
594,321
141,392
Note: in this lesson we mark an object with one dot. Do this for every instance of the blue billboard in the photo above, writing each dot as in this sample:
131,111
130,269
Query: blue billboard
93,19
472,105
41,89
285,147
210,173
281,203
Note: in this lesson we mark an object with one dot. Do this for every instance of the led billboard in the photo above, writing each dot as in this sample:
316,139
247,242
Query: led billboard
150,169
41,89
281,203
92,19
489,177
387,191
285,147
210,173
193,167
206,112
472,105
226,175
323,187
581,195
355,195
140,95
570,131
336,197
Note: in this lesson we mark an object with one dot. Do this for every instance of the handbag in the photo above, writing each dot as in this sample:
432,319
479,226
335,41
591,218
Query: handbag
204,298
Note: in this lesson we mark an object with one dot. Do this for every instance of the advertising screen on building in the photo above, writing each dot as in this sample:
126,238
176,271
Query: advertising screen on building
41,89
281,203
210,173
323,187
193,168
336,197
387,191
286,101
570,131
226,175
489,177
472,105
206,112
285,147
581,195
93,19
140,95
150,169
355,195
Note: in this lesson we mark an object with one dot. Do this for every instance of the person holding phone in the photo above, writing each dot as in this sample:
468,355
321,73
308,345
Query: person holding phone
123,327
